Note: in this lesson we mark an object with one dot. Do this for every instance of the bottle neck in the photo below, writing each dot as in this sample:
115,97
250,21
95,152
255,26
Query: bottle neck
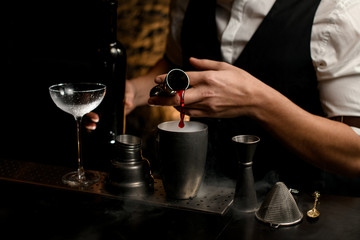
112,20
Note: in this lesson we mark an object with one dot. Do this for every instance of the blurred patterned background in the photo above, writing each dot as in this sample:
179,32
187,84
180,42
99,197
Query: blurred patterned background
143,28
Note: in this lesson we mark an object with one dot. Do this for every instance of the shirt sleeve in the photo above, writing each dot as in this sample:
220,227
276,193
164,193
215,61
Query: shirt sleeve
335,49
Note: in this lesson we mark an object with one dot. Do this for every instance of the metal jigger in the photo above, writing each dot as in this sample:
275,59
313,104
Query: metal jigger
245,195
175,80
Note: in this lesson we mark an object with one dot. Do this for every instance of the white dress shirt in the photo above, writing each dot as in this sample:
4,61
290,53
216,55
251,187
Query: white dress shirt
335,45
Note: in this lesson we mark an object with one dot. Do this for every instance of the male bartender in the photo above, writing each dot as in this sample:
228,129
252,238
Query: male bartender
285,70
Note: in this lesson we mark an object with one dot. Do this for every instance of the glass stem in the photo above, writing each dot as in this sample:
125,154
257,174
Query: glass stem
80,170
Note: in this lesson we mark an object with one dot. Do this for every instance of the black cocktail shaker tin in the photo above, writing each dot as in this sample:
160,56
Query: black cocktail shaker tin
129,173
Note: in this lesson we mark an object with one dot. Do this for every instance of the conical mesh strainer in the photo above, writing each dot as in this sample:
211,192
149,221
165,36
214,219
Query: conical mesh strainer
279,207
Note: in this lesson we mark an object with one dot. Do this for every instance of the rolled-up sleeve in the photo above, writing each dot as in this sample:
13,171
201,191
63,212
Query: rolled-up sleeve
335,50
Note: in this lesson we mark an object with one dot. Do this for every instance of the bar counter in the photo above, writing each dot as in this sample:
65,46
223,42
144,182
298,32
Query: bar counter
38,208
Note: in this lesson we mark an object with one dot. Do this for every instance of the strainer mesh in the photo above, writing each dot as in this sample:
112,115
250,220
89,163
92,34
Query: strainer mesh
279,207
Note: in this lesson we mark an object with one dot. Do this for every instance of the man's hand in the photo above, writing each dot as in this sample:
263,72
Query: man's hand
217,90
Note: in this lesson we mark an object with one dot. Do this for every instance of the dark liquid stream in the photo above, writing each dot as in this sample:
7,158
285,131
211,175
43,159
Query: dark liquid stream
181,94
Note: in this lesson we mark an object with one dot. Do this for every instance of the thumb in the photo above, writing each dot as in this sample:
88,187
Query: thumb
206,64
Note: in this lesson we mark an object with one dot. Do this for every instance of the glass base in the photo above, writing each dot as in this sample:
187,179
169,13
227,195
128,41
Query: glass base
72,179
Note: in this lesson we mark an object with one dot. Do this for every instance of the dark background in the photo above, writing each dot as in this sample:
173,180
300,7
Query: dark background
48,42
56,41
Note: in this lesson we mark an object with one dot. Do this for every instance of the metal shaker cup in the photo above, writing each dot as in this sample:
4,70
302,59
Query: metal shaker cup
182,154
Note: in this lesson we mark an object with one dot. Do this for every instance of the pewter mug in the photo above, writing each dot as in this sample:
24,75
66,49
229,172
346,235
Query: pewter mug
182,154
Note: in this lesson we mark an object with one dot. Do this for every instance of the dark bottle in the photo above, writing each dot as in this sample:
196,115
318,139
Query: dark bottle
112,72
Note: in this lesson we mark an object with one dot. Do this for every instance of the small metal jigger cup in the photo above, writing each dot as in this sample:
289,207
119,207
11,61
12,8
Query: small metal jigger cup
175,80
245,199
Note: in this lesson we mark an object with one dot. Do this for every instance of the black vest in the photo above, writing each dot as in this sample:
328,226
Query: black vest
279,55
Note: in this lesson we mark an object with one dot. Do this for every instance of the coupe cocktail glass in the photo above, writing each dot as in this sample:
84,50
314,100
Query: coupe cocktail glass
78,99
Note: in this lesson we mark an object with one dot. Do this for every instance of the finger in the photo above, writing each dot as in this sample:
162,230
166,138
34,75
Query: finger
90,121
206,69
164,101
129,103
90,126
206,64
195,112
196,77
160,79
94,117
191,96
198,94
128,108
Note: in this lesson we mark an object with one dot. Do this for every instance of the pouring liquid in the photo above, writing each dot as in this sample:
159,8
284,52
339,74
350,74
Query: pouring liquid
181,94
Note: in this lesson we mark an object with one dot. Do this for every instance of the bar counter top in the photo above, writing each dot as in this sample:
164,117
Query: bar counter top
40,211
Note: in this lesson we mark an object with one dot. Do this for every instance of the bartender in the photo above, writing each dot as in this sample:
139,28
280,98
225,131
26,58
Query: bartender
285,70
